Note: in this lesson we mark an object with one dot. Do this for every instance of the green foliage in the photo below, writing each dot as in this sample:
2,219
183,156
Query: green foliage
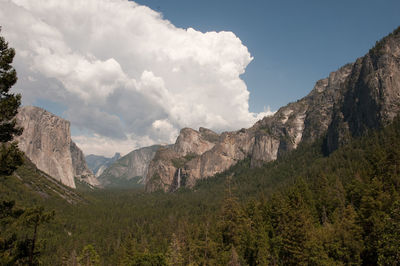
31,219
234,258
378,49
89,256
389,242
175,251
146,260
16,247
180,162
9,102
10,158
8,238
122,182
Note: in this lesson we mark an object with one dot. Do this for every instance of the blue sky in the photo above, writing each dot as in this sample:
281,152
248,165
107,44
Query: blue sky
294,43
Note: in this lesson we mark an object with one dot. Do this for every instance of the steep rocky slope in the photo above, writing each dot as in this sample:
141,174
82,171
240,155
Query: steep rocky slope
130,169
304,120
46,141
358,96
98,163
371,95
81,170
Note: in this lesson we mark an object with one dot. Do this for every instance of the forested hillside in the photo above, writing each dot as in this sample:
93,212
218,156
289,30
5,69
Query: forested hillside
301,209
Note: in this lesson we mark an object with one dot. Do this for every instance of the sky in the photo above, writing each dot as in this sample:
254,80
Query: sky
132,74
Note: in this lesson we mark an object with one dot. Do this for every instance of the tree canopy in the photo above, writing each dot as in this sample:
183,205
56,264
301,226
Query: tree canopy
10,156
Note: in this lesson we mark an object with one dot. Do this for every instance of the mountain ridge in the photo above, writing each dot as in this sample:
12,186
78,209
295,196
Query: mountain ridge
337,107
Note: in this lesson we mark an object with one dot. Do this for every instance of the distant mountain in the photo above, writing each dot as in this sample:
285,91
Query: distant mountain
129,170
98,163
357,97
46,141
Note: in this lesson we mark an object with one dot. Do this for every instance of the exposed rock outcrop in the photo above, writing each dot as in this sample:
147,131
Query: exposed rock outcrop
130,169
98,163
371,97
358,96
46,141
81,170
168,164
305,120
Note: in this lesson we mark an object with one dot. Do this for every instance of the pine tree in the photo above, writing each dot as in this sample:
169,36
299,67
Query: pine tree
233,222
10,156
234,258
33,218
295,224
8,240
389,243
174,256
89,256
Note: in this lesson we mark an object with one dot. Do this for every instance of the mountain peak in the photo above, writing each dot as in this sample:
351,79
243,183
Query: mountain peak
116,156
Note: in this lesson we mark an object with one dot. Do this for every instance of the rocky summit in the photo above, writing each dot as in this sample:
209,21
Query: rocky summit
46,141
357,97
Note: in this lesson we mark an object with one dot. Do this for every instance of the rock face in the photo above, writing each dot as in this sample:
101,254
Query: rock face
98,163
196,155
46,141
81,170
358,96
371,97
129,170
166,169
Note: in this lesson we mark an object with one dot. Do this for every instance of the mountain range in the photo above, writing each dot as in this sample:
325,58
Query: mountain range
357,97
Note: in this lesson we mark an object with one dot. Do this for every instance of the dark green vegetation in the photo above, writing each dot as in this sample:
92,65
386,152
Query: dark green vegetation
180,162
10,156
301,209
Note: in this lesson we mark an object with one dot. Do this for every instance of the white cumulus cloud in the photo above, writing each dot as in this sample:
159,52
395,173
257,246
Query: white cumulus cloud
126,76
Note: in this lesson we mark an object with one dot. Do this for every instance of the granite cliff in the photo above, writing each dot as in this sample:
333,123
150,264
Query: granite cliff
371,95
353,99
46,141
129,170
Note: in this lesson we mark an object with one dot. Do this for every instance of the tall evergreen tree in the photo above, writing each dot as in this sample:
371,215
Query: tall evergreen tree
89,256
10,156
174,255
9,102
33,218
